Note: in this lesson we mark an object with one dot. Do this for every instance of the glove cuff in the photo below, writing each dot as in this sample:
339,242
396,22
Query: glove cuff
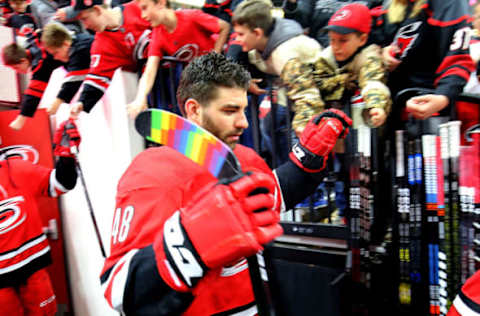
177,260
307,160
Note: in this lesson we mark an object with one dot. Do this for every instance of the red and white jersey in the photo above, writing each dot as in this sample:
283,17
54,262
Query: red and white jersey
467,301
158,182
193,36
24,247
113,49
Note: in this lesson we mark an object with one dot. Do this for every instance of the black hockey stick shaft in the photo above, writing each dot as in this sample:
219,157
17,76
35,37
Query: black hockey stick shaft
67,141
90,207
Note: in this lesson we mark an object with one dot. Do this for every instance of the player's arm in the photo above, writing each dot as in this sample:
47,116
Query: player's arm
97,81
145,84
375,93
219,226
222,36
303,91
66,141
309,156
77,71
33,94
453,34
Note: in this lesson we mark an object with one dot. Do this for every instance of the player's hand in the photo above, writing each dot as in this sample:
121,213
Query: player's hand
18,122
66,139
221,225
255,89
423,106
75,110
318,139
135,107
377,117
389,55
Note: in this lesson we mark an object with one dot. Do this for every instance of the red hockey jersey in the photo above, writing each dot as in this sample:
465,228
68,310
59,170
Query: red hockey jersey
113,49
158,182
24,247
191,38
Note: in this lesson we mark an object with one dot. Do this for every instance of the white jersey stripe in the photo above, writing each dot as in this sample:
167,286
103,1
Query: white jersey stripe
252,311
463,308
26,261
23,248
117,279
54,185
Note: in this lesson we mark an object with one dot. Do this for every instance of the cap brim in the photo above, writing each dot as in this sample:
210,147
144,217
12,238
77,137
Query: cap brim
338,29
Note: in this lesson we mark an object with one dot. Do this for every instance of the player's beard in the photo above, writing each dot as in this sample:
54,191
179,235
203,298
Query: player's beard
223,135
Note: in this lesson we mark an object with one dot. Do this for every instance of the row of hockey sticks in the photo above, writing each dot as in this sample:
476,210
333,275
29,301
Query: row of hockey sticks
363,171
470,202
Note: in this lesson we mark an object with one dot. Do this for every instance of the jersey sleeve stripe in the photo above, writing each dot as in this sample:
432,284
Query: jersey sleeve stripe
55,188
436,22
465,308
114,287
38,84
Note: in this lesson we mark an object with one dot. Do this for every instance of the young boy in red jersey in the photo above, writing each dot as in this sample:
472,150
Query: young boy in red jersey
25,286
121,39
184,34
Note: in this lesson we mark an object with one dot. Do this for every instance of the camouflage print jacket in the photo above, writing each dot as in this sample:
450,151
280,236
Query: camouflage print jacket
310,85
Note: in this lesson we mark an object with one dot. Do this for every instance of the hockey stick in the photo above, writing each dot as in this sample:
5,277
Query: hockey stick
74,151
90,207
206,150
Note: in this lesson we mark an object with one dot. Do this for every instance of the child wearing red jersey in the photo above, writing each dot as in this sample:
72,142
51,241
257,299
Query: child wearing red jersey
184,34
121,39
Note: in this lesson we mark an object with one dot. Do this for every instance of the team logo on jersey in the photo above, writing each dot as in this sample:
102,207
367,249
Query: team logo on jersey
11,214
129,40
24,152
406,37
26,29
187,52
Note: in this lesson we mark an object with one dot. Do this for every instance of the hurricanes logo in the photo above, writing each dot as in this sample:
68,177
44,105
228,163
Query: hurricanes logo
24,152
342,15
187,52
406,37
11,214
129,40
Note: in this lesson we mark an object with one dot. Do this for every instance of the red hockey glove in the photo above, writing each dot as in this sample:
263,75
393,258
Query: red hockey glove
318,139
66,139
221,225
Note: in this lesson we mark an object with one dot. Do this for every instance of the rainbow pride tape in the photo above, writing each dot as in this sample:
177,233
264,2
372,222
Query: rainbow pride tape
189,139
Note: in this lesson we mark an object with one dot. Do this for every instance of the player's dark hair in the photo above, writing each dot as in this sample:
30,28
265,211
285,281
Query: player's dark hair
12,54
201,78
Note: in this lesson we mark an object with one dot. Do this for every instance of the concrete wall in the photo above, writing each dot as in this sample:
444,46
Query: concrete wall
109,142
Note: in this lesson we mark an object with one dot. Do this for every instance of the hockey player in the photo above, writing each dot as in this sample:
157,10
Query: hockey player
25,287
180,236
74,51
121,40
184,34
428,44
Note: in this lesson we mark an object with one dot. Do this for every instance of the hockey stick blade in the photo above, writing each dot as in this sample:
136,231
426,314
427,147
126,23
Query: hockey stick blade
199,145
205,149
